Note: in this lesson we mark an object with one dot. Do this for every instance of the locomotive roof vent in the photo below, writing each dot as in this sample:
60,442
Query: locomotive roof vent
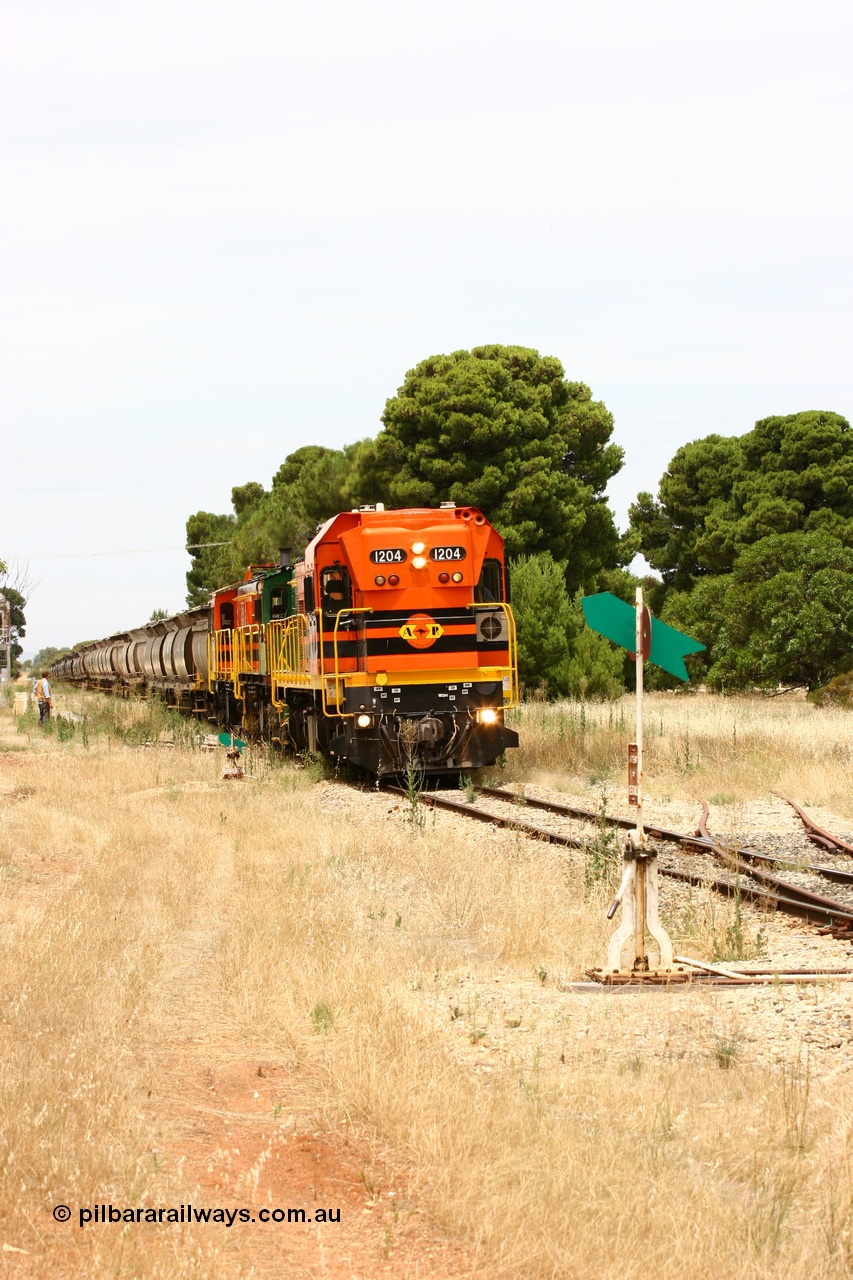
367,508
447,506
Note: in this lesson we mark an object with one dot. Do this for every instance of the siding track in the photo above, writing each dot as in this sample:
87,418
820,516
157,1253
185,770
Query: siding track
699,860
817,835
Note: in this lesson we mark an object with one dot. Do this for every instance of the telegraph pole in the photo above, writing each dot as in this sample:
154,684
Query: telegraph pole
5,640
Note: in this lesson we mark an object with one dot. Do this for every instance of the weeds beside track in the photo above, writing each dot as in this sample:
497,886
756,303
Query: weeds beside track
173,945
794,899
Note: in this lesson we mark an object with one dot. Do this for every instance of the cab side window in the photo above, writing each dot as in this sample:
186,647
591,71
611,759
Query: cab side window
336,589
489,589
226,616
278,603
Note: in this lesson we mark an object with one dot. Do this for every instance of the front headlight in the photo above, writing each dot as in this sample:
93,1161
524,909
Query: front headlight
487,716
363,722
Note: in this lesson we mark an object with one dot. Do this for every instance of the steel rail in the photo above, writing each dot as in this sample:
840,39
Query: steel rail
570,811
803,907
697,841
494,819
817,835
785,897
730,857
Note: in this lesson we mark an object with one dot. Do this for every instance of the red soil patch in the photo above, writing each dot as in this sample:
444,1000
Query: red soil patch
244,1145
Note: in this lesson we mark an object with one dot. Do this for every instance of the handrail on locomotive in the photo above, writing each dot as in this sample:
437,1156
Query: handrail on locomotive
279,649
338,699
286,655
512,646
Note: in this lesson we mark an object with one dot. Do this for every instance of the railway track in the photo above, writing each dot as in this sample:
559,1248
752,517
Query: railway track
728,870
817,835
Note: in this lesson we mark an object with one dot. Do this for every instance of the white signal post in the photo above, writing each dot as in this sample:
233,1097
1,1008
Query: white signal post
638,892
640,653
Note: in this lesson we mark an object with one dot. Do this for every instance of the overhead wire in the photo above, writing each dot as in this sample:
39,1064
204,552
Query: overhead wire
135,551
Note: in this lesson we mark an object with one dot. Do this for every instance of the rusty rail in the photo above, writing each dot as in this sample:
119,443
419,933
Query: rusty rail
817,835
697,841
731,858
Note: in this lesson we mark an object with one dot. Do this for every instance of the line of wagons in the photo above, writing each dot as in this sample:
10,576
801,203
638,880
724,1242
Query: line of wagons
168,656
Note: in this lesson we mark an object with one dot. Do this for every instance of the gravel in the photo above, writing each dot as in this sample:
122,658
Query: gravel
493,1013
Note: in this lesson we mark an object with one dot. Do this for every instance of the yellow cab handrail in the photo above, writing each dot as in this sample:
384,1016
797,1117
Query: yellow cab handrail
286,654
243,654
337,676
220,656
512,645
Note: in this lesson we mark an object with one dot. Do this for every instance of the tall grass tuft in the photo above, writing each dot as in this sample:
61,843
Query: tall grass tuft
695,743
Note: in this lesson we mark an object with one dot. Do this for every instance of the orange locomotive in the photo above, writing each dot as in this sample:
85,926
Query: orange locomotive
391,638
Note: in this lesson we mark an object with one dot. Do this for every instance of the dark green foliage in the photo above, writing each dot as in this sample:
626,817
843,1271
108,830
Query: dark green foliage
246,496
501,428
556,650
211,565
699,613
722,494
64,729
595,668
753,537
497,427
789,613
546,625
603,862
18,625
310,486
783,615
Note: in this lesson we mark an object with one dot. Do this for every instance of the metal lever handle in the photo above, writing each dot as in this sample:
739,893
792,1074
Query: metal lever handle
614,906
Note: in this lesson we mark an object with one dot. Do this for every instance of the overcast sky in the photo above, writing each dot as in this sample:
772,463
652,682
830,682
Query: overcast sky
227,230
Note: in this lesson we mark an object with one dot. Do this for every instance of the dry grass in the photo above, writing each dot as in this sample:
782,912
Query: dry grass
142,903
741,747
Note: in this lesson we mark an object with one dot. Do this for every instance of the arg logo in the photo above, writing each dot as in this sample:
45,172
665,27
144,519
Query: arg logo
421,631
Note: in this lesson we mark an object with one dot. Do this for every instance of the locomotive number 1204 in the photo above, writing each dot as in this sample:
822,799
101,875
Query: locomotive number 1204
388,555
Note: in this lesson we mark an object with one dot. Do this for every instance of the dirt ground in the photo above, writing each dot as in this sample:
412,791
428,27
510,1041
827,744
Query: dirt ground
238,1131
228,1110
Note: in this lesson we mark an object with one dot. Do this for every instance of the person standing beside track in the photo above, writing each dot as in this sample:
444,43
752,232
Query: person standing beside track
43,697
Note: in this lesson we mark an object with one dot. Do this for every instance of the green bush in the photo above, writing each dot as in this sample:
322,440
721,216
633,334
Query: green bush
557,652
837,693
